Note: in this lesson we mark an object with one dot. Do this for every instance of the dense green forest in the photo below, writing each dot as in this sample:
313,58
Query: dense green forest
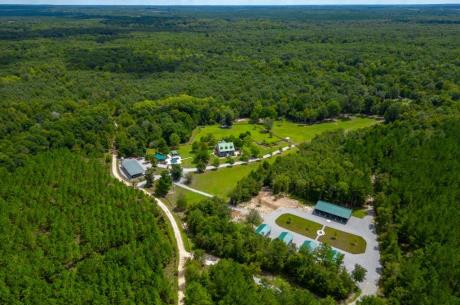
229,283
416,168
77,81
67,74
71,234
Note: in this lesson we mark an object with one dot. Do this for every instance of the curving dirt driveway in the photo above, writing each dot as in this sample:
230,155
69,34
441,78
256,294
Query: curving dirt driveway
236,163
183,254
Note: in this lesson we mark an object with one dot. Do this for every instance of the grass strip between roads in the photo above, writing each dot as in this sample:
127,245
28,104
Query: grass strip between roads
348,242
299,225
345,241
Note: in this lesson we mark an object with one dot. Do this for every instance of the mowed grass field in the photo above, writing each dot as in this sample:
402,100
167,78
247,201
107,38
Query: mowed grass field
345,241
257,134
299,225
299,133
222,181
190,197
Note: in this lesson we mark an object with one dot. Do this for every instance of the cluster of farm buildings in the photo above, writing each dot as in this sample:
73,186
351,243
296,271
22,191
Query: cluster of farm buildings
136,167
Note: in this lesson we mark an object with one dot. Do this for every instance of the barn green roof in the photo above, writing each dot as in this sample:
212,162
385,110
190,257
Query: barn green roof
333,209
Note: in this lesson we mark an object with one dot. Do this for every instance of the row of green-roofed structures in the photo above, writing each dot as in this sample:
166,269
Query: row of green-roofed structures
286,237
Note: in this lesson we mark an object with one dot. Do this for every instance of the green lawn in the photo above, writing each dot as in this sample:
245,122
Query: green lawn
191,197
237,128
345,241
185,150
187,162
299,133
299,225
361,213
222,181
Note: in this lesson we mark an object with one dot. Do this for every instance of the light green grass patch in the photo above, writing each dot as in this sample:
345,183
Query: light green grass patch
299,133
187,162
190,196
150,152
345,241
299,225
221,182
185,150
361,213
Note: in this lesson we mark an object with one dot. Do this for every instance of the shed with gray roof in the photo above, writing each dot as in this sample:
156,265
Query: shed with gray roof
132,168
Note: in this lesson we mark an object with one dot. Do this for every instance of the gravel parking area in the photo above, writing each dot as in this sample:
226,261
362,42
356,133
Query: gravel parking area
363,227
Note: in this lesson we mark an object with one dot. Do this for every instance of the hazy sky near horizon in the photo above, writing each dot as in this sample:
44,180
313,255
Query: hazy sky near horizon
225,2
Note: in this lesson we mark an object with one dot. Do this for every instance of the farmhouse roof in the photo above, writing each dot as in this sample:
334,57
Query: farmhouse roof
223,146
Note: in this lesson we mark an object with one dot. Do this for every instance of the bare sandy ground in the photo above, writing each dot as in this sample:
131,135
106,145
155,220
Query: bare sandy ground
266,202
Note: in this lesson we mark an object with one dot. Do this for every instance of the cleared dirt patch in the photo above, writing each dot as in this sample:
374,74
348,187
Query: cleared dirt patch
265,202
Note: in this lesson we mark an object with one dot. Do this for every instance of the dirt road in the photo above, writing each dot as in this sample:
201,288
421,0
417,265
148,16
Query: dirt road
183,254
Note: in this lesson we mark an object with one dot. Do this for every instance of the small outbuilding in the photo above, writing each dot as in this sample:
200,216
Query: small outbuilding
160,157
263,229
309,245
132,168
286,237
332,211
174,160
337,254
225,149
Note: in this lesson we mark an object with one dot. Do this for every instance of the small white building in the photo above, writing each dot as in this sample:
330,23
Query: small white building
173,158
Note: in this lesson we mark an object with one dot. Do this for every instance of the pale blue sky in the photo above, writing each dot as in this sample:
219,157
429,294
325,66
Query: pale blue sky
226,2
